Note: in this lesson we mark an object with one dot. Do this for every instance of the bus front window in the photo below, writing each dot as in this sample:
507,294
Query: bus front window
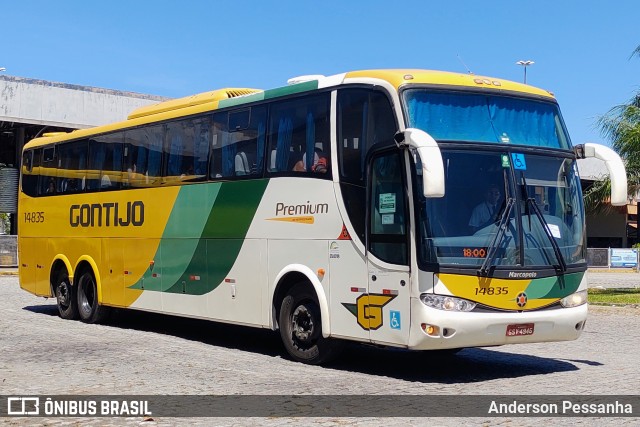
485,193
486,118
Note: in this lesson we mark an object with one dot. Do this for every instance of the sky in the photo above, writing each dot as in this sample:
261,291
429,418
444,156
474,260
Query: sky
581,48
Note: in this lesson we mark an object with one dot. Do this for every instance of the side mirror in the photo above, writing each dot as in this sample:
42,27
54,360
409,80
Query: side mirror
430,157
615,166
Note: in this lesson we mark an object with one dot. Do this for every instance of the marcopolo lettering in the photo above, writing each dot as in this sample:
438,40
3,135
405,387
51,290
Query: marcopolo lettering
108,214
523,274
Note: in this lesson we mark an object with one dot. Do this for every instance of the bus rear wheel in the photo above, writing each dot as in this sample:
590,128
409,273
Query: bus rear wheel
301,328
65,297
88,308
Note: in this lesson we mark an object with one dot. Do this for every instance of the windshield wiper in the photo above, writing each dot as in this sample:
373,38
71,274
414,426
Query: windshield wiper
547,230
497,239
545,225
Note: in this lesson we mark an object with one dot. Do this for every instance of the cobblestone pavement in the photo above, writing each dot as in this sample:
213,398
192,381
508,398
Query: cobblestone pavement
608,279
142,353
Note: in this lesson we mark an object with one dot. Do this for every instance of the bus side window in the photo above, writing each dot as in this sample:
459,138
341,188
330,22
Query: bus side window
47,177
238,143
30,170
186,150
143,156
215,154
247,137
365,118
299,137
72,160
202,142
105,162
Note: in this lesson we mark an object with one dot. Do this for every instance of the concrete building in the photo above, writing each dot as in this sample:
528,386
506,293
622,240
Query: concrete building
30,107
617,228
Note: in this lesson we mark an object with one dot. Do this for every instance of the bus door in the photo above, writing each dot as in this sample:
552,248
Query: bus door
388,305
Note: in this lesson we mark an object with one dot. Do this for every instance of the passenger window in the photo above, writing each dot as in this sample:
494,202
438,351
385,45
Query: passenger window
238,143
105,162
30,172
72,167
299,137
388,219
365,118
187,150
47,177
143,156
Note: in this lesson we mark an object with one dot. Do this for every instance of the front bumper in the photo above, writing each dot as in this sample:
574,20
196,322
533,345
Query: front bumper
469,329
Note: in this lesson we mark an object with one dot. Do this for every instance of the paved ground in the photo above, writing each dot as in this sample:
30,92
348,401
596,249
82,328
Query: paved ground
614,279
140,353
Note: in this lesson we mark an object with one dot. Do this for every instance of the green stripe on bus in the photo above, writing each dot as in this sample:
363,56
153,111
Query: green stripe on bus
231,102
223,234
268,94
291,89
197,266
554,287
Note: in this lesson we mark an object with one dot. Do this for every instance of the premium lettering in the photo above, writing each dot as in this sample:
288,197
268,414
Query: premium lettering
108,214
305,209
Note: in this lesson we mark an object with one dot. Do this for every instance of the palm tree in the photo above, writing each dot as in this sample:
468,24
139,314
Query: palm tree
621,125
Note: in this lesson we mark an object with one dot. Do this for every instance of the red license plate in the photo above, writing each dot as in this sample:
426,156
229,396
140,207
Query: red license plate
520,329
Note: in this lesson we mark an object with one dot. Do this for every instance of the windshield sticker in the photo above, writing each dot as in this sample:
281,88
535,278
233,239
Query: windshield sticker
504,138
555,231
505,161
519,162
387,219
387,203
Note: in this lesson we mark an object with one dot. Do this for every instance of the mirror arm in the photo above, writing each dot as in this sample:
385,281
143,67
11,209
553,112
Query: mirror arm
615,166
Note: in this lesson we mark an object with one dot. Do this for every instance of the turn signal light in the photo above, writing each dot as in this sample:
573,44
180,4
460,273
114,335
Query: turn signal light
431,330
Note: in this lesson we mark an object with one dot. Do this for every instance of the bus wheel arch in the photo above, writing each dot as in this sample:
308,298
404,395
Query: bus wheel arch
63,290
298,311
87,292
291,276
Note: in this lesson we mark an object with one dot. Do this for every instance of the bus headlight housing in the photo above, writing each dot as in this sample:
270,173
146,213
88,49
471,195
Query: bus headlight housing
575,299
447,303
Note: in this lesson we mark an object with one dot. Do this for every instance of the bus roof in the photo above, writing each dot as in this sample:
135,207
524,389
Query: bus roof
209,101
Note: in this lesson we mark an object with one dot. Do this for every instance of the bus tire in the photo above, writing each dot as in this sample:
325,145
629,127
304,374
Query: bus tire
65,296
301,327
88,308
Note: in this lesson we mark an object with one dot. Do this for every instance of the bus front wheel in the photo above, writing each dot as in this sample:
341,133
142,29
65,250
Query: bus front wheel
65,297
88,308
301,327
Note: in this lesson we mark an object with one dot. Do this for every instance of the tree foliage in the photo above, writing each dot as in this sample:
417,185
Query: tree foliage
621,126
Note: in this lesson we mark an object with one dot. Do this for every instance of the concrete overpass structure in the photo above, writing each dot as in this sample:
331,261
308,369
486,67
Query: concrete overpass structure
30,107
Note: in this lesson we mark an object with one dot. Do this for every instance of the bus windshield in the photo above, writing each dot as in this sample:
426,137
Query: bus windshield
479,117
534,198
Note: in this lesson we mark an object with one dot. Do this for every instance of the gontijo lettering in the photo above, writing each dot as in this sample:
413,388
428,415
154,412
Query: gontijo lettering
108,214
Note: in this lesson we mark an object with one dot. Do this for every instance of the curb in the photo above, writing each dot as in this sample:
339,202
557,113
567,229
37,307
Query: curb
9,273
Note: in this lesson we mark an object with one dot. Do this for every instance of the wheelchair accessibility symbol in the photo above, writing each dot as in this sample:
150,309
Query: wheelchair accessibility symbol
519,163
394,320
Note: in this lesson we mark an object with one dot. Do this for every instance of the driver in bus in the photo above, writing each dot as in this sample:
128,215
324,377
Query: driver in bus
486,212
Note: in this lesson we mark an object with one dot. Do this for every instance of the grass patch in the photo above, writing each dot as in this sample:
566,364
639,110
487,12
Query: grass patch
614,296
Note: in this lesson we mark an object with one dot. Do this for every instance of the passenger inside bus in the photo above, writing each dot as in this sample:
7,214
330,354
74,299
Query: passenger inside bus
320,163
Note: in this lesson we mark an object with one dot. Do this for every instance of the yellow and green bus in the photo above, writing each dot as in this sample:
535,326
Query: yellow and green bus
406,208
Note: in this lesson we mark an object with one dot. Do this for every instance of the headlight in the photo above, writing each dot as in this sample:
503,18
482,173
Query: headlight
447,303
574,300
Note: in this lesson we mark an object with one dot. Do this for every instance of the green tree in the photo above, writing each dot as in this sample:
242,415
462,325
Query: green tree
621,125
